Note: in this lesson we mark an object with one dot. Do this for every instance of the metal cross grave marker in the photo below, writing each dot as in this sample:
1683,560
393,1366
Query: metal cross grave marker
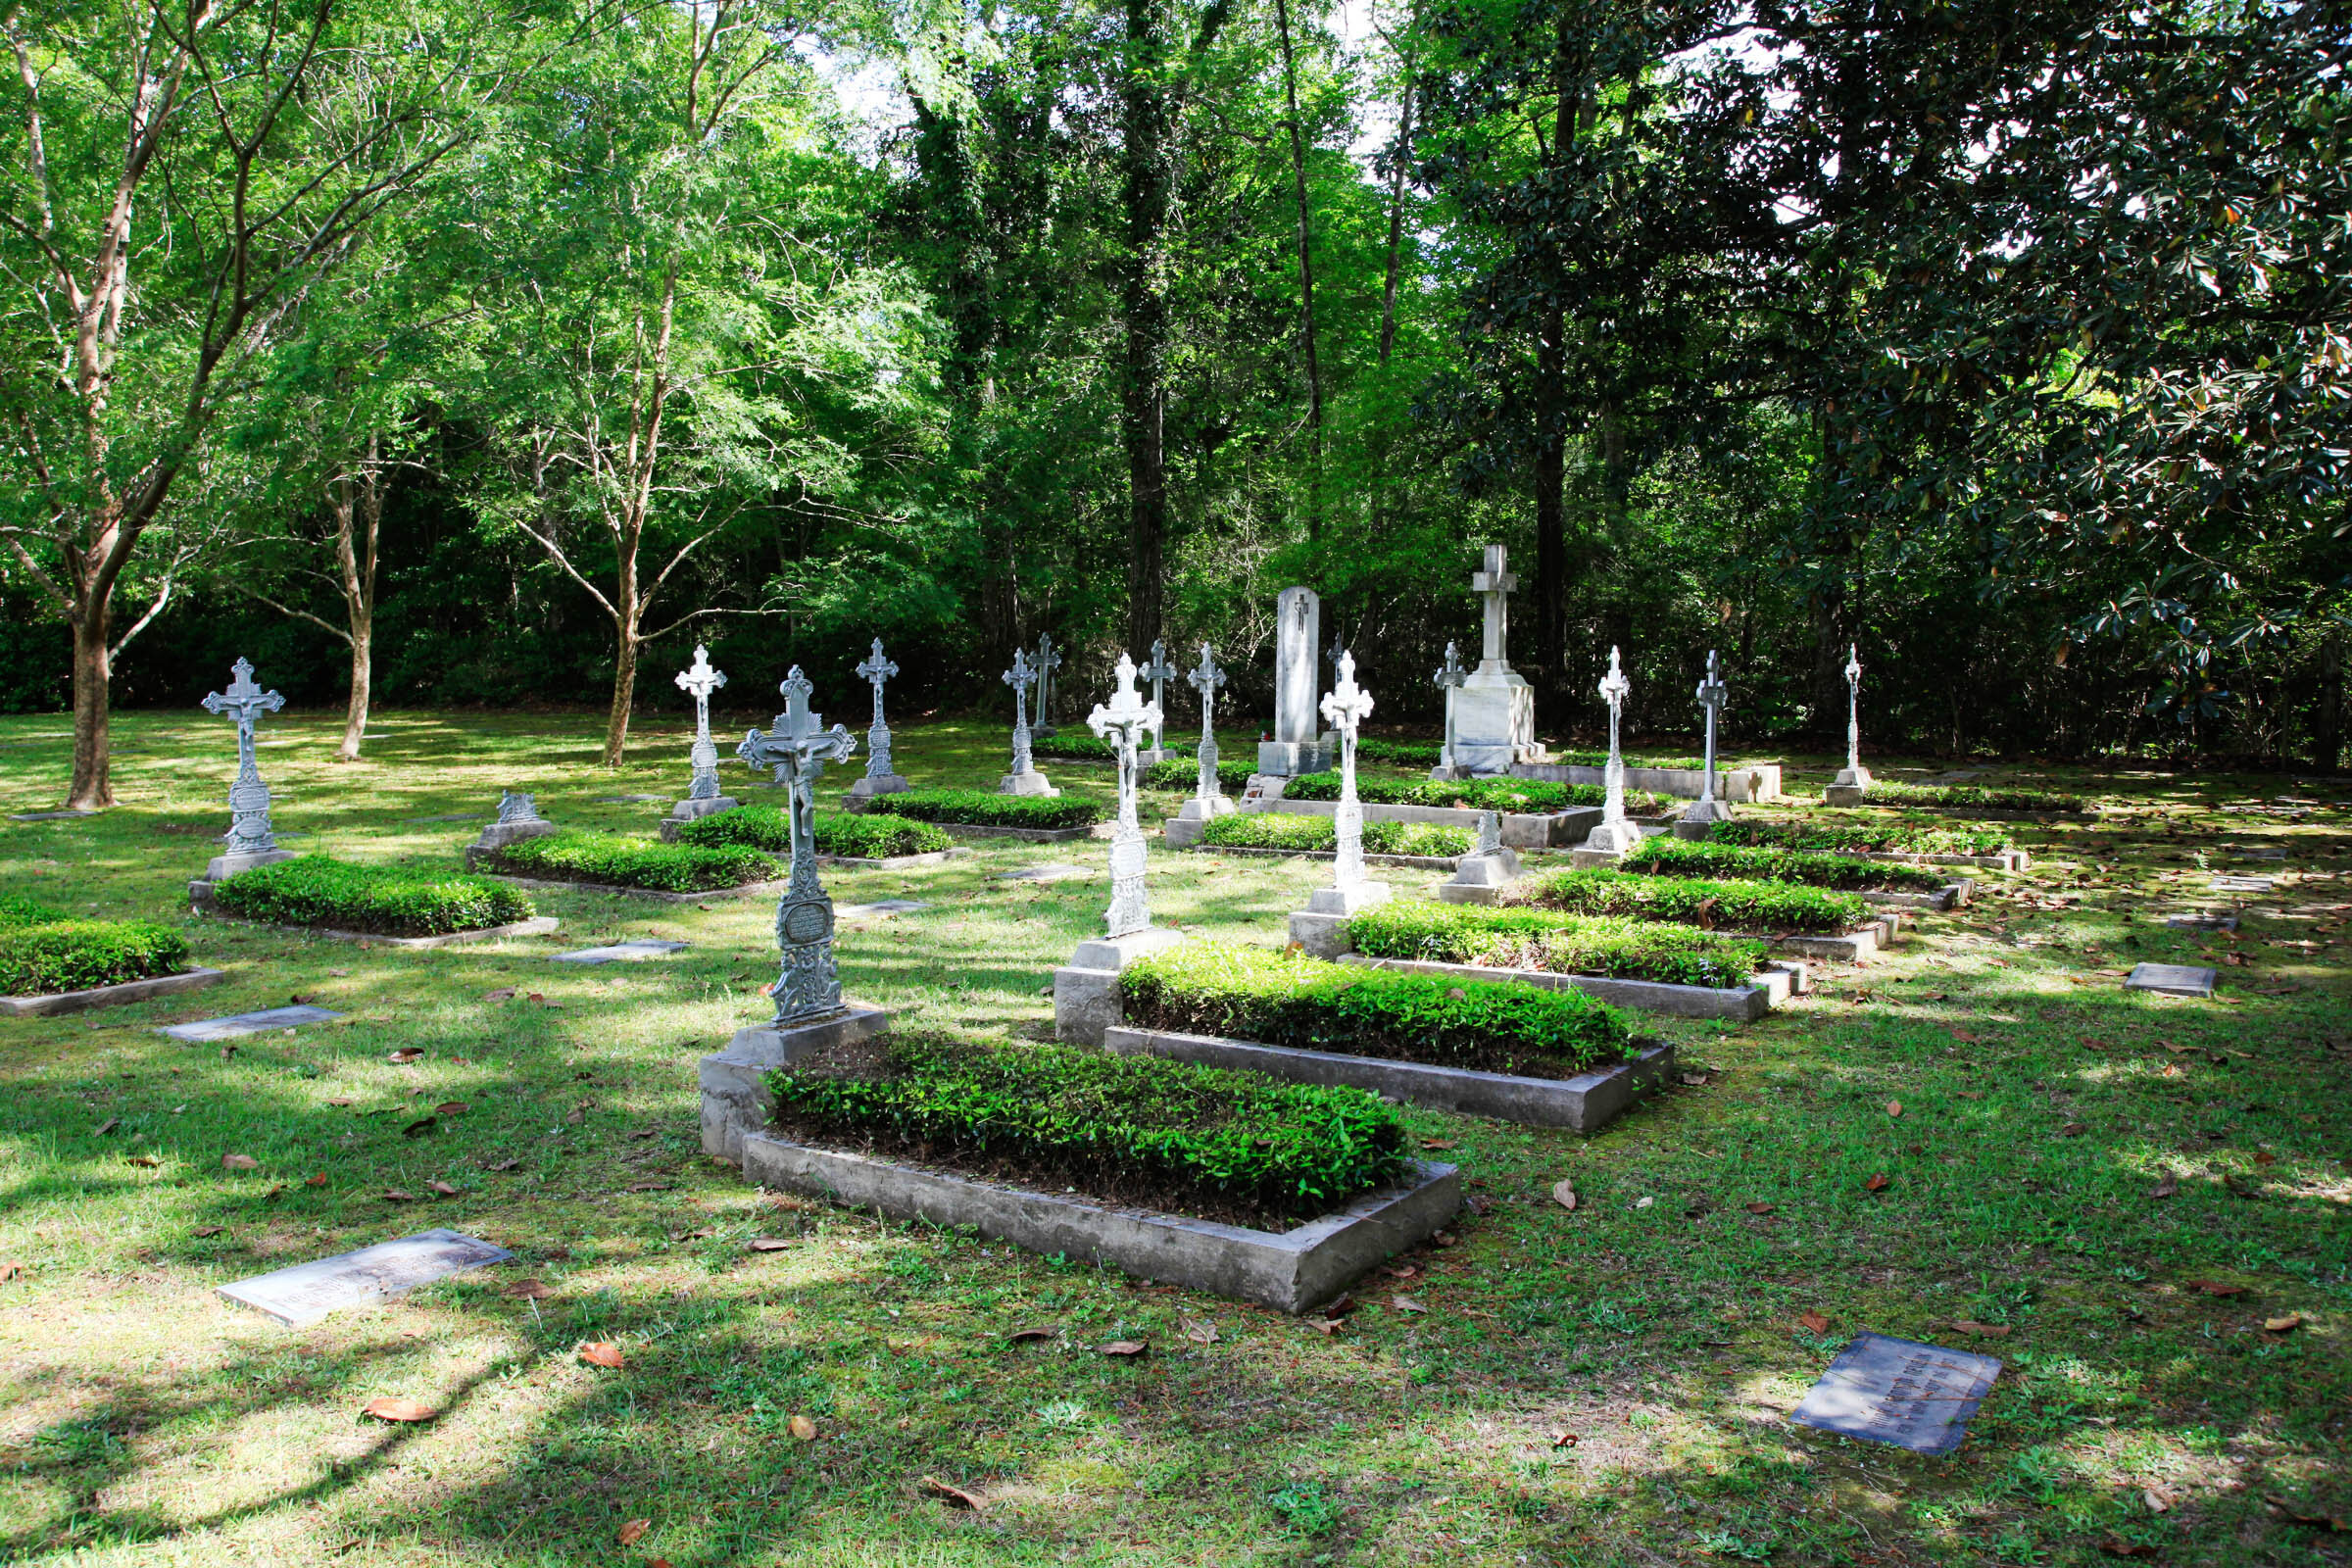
1614,688
1711,695
1018,678
1450,678
1047,664
1205,678
1158,672
798,747
1346,707
1853,709
1122,722
248,798
876,670
699,680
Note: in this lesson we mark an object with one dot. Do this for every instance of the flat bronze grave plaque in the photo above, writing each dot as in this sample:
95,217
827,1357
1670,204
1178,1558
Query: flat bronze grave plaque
248,1023
301,1296
1900,1391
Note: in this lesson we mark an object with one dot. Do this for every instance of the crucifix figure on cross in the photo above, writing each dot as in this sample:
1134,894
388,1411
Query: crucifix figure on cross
1345,708
1018,678
797,745
1205,677
876,670
1449,678
1122,721
700,680
248,798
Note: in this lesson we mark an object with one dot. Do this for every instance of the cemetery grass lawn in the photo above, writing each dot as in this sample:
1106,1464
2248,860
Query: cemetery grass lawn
1661,1323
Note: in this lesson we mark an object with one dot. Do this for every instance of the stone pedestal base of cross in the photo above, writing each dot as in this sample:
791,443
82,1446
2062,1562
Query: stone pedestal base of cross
1023,778
1615,832
250,842
1086,990
1852,784
1481,875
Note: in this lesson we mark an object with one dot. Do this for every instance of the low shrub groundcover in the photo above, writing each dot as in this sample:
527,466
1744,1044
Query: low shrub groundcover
1278,998
43,951
1126,1129
1399,754
1554,943
862,838
1184,774
1274,830
637,862
1601,760
390,901
1992,798
1474,795
1662,855
982,808
1860,838
1695,901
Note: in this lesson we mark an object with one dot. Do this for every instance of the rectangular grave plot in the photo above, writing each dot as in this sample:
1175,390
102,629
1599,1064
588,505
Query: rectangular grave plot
883,910
248,1023
2243,884
624,952
301,1295
1900,1391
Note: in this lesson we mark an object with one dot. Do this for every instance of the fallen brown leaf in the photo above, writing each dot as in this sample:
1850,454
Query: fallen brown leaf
443,1188
768,1244
148,1160
601,1352
2304,1513
1563,1195
2216,1288
1126,1349
1027,1336
106,1126
1444,1239
419,1127
2117,1546
342,1102
2166,1184
1759,1209
1564,1439
633,1532
1405,1304
385,1407
318,1180
2074,1129
1813,1322
1323,1325
1877,1183
2157,1502
803,1429
1894,1107
953,1497
396,1195
1197,1332
530,1290
502,994
12,1269
405,1054
449,1108
239,1163
1433,1143
210,1230
504,1165
1987,1330
273,1190
2263,1157
2282,1325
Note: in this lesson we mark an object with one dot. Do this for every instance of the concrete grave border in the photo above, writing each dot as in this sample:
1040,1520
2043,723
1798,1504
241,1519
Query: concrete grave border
538,925
1585,1104
1426,862
1739,783
983,831
1982,813
893,862
1767,989
745,890
1521,830
120,994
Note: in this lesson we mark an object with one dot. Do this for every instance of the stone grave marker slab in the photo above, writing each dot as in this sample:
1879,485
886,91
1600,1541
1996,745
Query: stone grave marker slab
2243,884
301,1295
2202,922
2173,979
631,951
1900,1392
885,909
248,1023
46,816
1046,873
2258,851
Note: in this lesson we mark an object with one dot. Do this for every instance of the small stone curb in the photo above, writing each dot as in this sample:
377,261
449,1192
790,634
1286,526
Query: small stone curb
120,994
658,894
1427,862
538,925
1736,1004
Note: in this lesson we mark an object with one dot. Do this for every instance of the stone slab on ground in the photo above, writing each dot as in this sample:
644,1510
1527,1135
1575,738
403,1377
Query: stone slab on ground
300,1296
118,995
635,951
237,1024
881,910
1585,1102
1056,872
1426,862
1900,1391
1947,897
2258,852
624,799
1766,990
536,884
892,862
47,816
2201,923
2172,979
2243,884
1289,1271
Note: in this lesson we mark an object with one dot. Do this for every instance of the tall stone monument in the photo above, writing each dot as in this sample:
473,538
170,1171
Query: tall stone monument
1448,678
881,775
1024,779
1208,801
1158,672
1295,748
1710,807
1495,707
1317,927
1086,990
699,680
1615,832
1852,784
250,842
1047,662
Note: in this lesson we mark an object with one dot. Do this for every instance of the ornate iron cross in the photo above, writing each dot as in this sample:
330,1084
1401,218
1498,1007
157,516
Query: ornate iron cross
1614,689
248,798
1158,672
1853,707
1205,678
1346,707
1450,678
875,670
1126,718
1018,678
1711,695
798,747
1046,665
699,680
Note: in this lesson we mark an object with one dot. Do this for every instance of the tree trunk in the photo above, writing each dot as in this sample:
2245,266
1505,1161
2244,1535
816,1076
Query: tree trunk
624,697
1306,280
1551,519
1388,292
356,556
2327,728
94,668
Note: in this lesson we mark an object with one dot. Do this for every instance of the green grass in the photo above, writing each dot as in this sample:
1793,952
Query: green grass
1124,1128
974,808
43,951
319,890
1735,905
634,862
1279,997
1477,795
1591,758
1184,774
152,1423
769,828
1960,795
1559,943
1277,830
1664,855
1858,838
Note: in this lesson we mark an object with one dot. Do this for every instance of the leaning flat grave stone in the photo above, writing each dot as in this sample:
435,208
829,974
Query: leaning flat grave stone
2172,979
2243,884
624,952
884,910
248,1023
301,1295
2202,922
1045,873
1900,1392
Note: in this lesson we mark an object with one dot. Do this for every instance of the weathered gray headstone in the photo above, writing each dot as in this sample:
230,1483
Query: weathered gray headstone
1295,748
248,1023
2242,884
249,842
301,1296
2173,979
798,747
881,776
1900,1391
1124,722
517,819
631,951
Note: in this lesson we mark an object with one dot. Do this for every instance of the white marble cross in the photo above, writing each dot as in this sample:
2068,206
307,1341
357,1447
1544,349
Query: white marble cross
700,680
1614,689
248,798
1711,695
1018,678
1158,672
1450,678
1123,722
1346,707
1495,585
1205,677
876,670
797,745
1853,709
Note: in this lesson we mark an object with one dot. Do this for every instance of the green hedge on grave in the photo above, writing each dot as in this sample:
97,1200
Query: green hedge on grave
1514,938
1399,754
43,951
1664,855
1184,774
1694,901
390,901
1279,830
1516,794
1171,1134
863,838
1962,796
1601,760
1860,838
984,809
637,862
1286,999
